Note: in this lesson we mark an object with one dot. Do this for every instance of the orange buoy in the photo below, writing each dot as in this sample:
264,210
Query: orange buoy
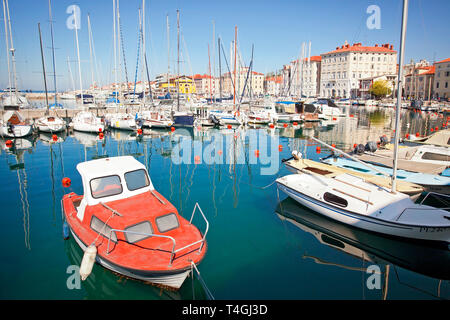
407,136
139,131
351,116
100,130
229,126
66,182
257,153
172,129
285,125
317,149
199,128
197,159
295,123
271,126
355,145
54,137
436,129
280,148
219,152
334,119
9,143
100,135
431,129
333,145
417,134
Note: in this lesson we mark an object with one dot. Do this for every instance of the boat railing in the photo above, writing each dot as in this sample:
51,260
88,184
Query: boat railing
434,193
207,226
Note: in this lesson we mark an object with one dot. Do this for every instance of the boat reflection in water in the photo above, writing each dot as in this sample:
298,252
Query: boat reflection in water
18,148
388,254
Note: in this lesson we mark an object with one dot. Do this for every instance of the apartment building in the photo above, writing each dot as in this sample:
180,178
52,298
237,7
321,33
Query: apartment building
419,83
442,79
254,85
206,85
272,85
343,68
305,77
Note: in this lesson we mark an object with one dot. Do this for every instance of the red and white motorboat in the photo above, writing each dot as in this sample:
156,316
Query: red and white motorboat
136,231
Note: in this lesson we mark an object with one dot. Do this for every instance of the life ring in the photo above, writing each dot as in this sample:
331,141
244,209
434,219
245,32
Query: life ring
237,113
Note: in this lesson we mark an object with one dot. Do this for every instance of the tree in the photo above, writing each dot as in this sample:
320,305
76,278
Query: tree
380,89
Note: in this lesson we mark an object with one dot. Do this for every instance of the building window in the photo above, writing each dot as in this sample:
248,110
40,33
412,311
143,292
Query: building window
437,85
446,85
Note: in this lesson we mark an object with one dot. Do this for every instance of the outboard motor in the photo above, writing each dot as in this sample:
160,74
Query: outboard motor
371,146
359,149
214,119
383,140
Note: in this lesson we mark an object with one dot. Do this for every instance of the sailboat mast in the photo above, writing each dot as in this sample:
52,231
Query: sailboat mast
90,51
53,50
178,60
220,72
13,57
7,46
43,69
78,56
115,50
234,71
168,53
399,93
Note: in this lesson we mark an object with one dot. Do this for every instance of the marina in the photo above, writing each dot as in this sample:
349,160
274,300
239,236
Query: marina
327,179
241,205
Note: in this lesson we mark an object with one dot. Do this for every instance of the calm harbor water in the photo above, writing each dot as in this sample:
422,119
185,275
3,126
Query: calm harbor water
261,245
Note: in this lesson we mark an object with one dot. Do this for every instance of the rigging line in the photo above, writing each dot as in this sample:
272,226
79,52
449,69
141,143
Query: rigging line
228,67
138,51
123,49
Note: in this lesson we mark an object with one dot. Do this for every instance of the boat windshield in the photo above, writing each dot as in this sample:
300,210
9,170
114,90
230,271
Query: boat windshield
136,179
105,186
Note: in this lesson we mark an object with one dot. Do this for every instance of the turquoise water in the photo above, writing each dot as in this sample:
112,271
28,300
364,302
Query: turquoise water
260,244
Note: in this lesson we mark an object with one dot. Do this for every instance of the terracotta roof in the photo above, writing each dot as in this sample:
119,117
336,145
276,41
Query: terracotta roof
313,58
430,71
446,60
205,76
387,48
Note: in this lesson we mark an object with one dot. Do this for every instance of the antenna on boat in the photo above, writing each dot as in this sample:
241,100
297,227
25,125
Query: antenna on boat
399,92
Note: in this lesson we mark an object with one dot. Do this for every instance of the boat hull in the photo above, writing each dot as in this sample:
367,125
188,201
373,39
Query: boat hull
167,280
17,131
435,234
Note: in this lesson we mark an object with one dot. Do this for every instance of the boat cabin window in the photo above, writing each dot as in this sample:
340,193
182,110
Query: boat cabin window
143,231
105,186
435,156
100,227
167,222
334,199
136,179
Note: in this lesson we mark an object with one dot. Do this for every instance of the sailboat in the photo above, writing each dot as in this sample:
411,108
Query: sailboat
49,123
353,201
12,123
85,121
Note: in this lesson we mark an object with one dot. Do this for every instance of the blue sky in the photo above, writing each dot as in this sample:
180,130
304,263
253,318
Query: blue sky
276,28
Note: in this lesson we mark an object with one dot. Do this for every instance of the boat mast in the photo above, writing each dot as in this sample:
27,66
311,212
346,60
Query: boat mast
90,51
115,50
43,69
13,59
168,53
234,71
399,93
53,49
178,60
210,83
7,47
220,72
70,73
78,56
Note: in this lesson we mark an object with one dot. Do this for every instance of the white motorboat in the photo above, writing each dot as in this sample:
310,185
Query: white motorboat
50,124
155,119
228,117
14,125
351,200
86,121
327,108
122,121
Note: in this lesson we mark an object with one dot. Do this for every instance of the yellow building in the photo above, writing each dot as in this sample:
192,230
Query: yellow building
186,84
